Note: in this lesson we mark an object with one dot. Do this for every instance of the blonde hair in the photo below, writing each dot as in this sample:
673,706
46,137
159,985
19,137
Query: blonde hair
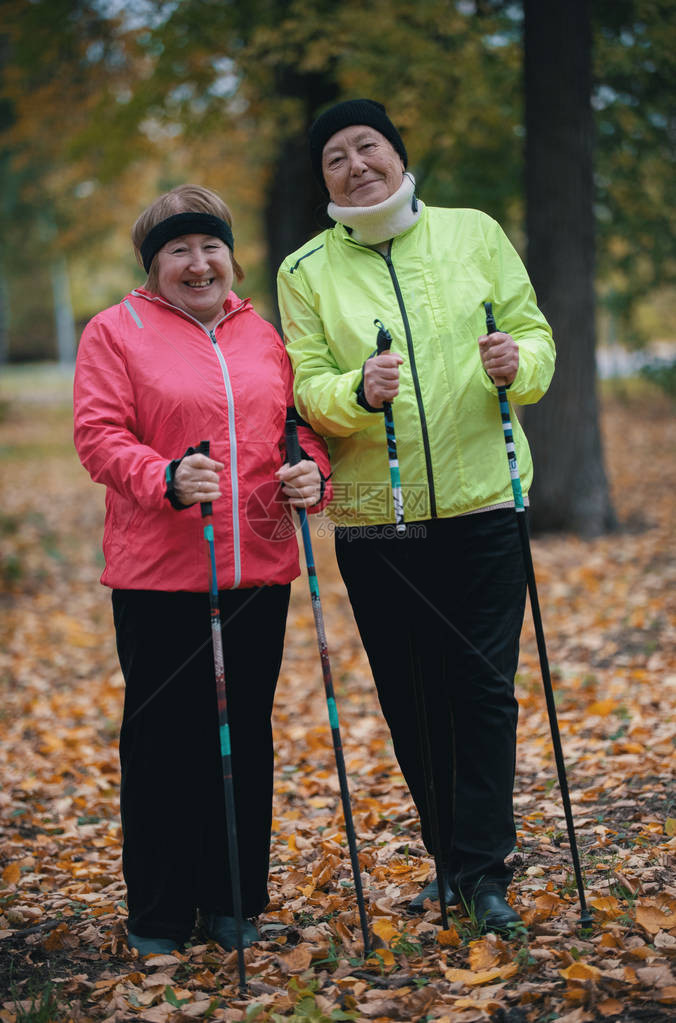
183,199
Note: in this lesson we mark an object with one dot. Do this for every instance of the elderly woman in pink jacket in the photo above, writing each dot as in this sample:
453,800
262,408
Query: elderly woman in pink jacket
181,360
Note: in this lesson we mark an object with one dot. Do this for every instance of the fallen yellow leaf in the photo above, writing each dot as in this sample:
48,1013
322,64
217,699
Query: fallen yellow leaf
602,707
103,986
610,1007
385,929
386,956
610,941
11,873
546,904
668,995
473,1003
472,978
580,972
449,938
297,960
607,906
482,955
652,919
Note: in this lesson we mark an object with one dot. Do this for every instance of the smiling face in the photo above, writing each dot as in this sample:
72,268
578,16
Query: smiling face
195,273
361,167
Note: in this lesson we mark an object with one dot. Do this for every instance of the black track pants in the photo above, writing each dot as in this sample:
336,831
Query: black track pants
175,857
453,600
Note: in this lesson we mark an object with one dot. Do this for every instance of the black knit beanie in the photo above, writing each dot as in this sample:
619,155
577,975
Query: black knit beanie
343,115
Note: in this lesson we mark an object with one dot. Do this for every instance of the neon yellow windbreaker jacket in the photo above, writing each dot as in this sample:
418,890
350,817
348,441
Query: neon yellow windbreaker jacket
428,293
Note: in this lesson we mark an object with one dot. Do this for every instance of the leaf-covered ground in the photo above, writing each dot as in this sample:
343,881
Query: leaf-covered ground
610,630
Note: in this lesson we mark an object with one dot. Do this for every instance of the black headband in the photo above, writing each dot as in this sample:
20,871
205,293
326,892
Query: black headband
180,224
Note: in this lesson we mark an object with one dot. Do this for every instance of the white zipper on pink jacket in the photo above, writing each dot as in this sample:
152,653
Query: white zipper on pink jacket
234,482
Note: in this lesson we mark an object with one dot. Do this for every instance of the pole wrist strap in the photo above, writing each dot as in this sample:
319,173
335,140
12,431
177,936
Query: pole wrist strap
169,475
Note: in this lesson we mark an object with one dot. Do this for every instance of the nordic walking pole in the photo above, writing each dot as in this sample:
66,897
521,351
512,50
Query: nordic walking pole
383,343
294,456
519,508
224,729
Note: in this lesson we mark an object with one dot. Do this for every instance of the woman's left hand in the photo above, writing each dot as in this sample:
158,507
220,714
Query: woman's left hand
301,483
500,357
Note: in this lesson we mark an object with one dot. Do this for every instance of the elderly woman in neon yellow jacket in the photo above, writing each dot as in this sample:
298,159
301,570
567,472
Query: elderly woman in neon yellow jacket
446,601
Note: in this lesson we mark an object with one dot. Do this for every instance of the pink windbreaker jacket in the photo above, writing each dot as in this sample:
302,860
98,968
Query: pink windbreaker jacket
151,381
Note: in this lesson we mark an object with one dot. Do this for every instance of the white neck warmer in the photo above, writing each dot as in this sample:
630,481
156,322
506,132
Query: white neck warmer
372,225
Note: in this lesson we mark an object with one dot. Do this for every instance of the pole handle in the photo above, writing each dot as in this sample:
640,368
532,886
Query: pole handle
491,326
292,444
205,506
384,340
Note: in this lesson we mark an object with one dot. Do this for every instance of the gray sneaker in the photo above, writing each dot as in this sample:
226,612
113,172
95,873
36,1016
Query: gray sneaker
152,946
223,929
431,891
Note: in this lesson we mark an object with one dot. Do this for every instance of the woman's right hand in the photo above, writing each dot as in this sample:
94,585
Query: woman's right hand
196,480
381,378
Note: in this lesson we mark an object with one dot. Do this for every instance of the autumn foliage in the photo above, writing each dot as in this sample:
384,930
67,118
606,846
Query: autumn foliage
610,632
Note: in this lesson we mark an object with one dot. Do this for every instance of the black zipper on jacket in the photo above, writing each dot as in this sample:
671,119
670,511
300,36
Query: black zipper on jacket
416,381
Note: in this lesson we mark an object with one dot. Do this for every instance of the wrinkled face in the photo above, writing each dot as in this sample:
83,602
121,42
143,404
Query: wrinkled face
194,272
361,167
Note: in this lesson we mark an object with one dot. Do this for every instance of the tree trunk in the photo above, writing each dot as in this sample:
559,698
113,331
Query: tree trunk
570,490
295,204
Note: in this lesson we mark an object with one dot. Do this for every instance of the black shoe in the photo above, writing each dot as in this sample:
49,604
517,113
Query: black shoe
152,946
431,891
492,911
223,929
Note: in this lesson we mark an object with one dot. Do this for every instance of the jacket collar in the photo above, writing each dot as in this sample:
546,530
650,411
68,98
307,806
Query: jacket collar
233,304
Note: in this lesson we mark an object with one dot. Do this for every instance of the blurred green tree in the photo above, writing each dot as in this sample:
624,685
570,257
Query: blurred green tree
450,79
223,91
634,101
62,69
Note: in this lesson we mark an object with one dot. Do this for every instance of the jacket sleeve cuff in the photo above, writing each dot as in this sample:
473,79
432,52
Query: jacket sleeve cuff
324,482
361,396
169,474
